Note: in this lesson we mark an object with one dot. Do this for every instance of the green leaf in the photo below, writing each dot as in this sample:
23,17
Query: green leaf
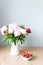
22,26
10,40
5,38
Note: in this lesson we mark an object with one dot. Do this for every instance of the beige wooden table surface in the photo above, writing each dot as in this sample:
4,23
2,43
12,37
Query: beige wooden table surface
6,59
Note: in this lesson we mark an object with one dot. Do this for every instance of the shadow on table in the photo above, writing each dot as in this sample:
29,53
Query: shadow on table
33,58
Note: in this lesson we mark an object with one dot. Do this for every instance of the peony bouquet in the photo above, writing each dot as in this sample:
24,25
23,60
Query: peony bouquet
14,33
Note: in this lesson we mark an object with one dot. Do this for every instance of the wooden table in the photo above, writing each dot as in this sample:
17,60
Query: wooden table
6,59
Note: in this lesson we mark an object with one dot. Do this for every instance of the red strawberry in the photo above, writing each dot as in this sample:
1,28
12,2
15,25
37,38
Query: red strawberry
30,55
23,54
26,54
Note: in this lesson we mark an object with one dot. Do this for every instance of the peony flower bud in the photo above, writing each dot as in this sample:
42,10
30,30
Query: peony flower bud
28,30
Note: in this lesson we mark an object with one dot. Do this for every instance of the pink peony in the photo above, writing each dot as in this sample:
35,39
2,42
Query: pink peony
17,31
11,28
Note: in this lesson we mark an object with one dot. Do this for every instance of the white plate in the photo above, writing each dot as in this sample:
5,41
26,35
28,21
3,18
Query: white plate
26,58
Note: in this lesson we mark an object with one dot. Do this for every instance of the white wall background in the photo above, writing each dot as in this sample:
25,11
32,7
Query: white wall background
28,12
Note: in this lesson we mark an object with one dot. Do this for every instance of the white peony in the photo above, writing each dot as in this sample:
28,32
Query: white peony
17,33
23,31
10,31
4,30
